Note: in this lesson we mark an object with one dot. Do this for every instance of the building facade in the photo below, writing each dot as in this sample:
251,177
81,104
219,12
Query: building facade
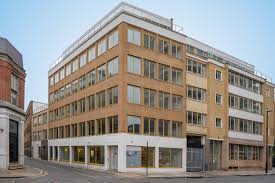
30,124
134,92
12,84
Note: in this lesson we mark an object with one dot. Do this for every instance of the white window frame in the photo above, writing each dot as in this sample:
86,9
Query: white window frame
131,62
216,70
82,60
133,94
68,69
62,73
113,67
134,37
216,123
113,39
75,65
101,47
91,53
216,99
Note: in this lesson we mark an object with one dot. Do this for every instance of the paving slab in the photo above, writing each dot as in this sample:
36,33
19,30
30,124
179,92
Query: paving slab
26,171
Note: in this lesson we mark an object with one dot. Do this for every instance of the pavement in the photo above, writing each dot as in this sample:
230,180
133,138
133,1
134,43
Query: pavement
26,171
57,173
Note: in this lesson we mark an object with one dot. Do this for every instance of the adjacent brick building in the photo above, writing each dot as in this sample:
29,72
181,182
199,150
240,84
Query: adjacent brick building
12,87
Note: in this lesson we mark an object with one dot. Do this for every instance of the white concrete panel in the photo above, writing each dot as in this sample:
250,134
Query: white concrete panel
245,93
122,140
245,115
245,136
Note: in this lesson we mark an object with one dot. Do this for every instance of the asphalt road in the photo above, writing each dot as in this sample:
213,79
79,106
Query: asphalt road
64,174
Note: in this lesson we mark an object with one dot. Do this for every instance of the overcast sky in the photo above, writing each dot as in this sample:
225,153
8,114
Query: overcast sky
41,30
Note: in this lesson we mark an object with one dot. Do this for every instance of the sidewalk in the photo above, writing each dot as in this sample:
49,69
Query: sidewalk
210,174
27,171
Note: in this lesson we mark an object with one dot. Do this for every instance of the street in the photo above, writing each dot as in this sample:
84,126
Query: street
64,174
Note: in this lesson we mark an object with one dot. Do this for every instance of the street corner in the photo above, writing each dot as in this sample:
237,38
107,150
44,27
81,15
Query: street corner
25,172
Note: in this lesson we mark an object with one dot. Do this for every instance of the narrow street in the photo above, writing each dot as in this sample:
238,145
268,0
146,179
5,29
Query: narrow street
64,174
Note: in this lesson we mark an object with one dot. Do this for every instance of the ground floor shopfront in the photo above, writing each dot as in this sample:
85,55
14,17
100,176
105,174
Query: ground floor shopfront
11,136
121,152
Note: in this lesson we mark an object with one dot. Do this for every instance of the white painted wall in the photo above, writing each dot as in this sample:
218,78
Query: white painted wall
122,140
35,148
245,115
4,137
245,136
245,93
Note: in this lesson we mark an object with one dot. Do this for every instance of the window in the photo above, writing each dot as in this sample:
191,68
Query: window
74,130
62,74
67,110
67,131
218,75
97,155
133,94
244,126
91,127
134,65
78,154
177,103
196,118
134,37
244,152
91,54
51,98
75,86
45,118
218,123
163,46
149,126
101,73
82,82
91,102
218,99
244,104
56,78
176,76
75,65
136,157
101,48
149,69
112,95
195,93
164,100
68,89
56,95
176,51
82,106
196,67
113,39
163,72
68,70
91,78
149,97
267,92
163,127
113,67
244,82
100,99
113,124
51,81
101,130
61,92
169,157
82,129
149,42
74,108
82,60
14,89
133,124
176,129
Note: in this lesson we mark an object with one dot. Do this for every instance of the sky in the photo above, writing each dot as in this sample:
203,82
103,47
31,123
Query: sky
41,30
